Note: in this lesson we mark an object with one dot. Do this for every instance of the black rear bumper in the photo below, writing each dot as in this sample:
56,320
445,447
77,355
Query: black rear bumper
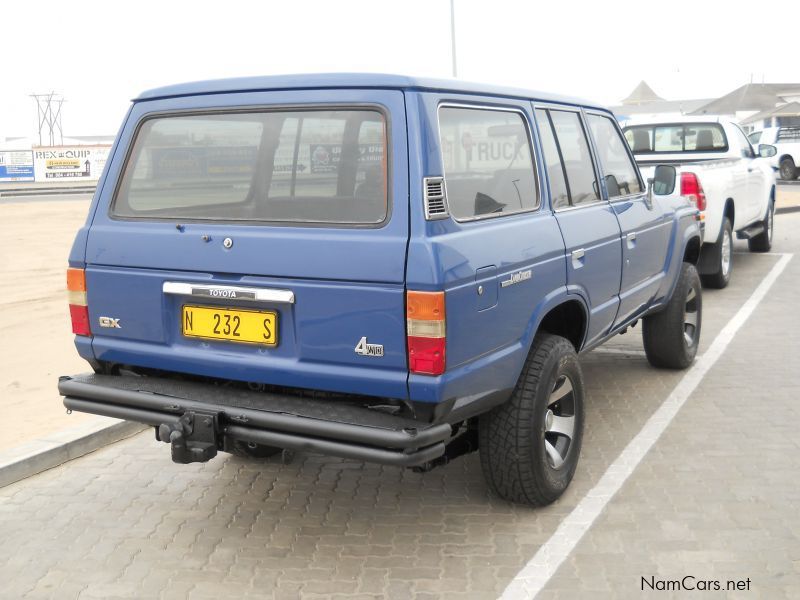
329,427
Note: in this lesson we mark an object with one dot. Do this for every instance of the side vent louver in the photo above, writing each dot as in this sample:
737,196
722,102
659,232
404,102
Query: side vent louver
435,203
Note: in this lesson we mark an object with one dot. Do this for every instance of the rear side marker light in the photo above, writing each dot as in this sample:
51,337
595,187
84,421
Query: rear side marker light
78,306
426,332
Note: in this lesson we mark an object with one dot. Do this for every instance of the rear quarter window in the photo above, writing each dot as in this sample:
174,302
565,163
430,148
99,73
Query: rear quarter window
676,138
487,162
310,166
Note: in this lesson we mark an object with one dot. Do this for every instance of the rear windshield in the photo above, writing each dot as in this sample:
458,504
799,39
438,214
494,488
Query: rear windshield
310,166
680,137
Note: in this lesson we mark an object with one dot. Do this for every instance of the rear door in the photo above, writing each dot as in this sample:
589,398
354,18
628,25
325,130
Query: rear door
258,237
587,222
646,228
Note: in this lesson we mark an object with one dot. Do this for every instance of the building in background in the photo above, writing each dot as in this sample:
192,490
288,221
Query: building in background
644,103
754,105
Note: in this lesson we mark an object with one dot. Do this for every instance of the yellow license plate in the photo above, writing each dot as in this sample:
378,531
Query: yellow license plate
231,324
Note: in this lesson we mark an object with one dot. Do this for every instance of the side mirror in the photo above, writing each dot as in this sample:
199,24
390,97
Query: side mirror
767,151
663,180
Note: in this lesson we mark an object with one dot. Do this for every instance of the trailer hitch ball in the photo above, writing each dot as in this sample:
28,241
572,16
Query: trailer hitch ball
193,438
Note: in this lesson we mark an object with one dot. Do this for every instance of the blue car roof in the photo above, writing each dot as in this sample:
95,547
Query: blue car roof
349,80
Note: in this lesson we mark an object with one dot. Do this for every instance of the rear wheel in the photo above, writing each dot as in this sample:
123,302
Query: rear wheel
722,253
787,169
763,241
529,446
671,336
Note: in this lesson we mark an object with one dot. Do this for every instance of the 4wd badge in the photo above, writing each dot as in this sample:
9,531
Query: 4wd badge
365,349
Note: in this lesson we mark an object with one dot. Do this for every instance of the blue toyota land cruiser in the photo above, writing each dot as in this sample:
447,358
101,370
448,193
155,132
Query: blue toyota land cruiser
374,267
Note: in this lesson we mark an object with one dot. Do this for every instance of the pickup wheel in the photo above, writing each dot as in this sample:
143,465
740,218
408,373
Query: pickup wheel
787,169
529,446
672,335
722,253
763,241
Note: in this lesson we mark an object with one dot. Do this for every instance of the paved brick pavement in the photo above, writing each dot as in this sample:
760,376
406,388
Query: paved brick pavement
715,496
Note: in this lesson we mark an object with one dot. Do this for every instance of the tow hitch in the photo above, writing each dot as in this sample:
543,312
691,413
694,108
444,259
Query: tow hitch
193,437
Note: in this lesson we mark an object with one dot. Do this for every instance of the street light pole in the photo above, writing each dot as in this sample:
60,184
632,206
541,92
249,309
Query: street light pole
453,35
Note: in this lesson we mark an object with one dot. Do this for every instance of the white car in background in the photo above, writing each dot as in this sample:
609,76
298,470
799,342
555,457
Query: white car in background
717,168
787,143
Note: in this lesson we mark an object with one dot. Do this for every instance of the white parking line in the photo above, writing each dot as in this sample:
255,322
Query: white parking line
538,571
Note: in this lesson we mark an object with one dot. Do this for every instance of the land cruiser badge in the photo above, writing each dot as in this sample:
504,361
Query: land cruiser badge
365,349
516,278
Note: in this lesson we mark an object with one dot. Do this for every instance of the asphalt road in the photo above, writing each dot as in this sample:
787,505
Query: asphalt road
714,498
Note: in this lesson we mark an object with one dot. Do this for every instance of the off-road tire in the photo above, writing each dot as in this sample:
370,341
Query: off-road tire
253,451
721,278
787,169
665,342
514,461
763,241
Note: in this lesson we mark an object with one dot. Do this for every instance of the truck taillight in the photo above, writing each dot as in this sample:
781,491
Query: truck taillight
691,189
78,306
425,332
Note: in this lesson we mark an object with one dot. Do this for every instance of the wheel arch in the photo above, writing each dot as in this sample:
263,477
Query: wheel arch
568,319
730,212
691,250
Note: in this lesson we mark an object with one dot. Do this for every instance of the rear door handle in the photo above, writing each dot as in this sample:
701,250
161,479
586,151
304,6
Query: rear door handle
577,258
631,238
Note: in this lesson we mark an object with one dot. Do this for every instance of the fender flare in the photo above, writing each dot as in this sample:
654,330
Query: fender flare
553,300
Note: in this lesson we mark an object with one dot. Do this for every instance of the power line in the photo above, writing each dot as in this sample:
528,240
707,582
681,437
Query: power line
48,117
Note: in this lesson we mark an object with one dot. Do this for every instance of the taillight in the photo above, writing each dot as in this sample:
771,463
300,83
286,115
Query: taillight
425,332
692,190
78,306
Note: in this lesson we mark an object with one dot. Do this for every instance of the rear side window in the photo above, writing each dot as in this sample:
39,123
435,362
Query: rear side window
618,169
487,162
574,149
315,166
689,137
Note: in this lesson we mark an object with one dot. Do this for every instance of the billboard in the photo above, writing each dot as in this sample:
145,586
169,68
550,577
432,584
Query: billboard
62,163
16,165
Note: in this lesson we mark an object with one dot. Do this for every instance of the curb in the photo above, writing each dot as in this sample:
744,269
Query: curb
787,209
62,446
46,192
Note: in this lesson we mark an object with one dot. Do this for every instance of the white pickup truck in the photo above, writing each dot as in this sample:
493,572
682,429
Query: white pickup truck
787,142
716,166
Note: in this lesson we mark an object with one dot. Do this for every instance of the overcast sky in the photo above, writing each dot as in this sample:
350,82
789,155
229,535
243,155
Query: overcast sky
99,53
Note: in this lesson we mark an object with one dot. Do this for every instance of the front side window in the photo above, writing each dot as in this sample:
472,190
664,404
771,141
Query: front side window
754,137
487,162
678,137
574,147
618,169
315,166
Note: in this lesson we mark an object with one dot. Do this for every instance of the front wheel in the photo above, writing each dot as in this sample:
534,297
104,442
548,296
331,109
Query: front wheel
671,336
763,241
787,169
529,446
